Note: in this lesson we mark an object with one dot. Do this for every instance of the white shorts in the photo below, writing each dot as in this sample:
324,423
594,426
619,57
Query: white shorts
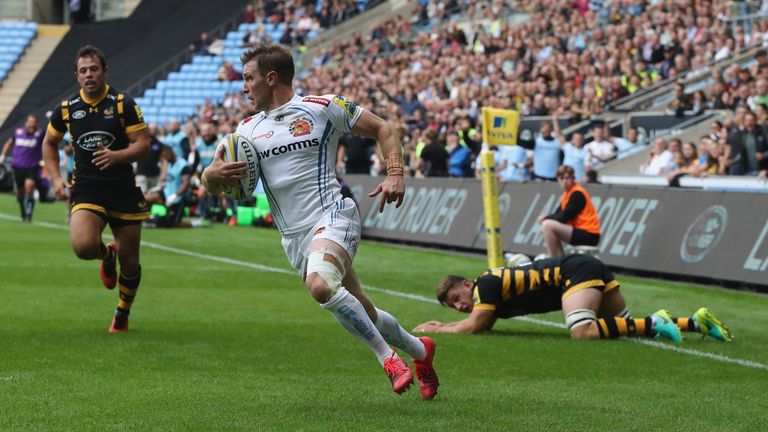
340,224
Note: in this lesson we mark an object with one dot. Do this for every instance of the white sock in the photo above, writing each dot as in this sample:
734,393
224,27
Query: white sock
395,335
625,314
350,313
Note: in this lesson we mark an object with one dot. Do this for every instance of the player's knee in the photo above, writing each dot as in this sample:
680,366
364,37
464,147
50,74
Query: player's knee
325,271
29,186
318,288
582,324
85,250
585,332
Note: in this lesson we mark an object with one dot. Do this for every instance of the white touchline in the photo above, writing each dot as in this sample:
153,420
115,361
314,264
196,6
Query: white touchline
718,357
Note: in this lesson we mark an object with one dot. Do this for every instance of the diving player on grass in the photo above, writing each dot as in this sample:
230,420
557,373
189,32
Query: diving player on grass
296,139
579,285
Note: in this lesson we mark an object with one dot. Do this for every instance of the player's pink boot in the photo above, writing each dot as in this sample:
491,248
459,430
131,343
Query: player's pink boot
109,268
399,373
428,381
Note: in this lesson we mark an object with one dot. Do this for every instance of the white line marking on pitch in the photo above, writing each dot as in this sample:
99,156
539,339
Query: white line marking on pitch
651,343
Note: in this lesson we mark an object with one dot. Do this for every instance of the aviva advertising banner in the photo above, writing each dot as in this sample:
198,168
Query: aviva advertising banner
718,235
500,126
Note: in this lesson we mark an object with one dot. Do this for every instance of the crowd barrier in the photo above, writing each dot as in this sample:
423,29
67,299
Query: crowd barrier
717,235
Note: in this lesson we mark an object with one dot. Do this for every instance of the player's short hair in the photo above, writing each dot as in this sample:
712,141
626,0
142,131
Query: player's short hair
271,57
446,285
91,51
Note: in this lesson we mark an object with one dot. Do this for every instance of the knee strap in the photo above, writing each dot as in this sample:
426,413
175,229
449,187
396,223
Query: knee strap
330,273
580,317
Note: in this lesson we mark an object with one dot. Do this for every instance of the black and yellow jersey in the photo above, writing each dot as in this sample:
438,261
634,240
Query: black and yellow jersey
540,286
105,120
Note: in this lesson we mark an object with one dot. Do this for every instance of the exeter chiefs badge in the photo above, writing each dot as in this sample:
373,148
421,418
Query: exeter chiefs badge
301,127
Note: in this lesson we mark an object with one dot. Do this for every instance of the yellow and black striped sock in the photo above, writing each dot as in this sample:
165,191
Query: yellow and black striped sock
611,328
687,324
128,286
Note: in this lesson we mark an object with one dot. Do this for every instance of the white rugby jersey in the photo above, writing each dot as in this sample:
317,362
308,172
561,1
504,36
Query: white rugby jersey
296,145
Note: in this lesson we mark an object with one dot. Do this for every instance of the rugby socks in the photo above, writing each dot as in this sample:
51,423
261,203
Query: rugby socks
611,328
22,206
128,286
625,314
395,335
29,207
687,324
350,313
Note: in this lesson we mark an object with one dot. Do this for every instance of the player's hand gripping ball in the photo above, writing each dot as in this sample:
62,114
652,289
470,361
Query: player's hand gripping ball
239,148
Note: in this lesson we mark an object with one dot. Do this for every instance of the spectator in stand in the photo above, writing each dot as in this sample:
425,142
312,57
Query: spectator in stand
459,157
355,154
747,148
698,102
681,103
687,163
433,160
631,141
287,37
255,37
760,96
249,14
574,153
200,46
227,72
216,48
546,154
599,150
174,136
515,163
717,131
660,160
469,136
148,170
175,194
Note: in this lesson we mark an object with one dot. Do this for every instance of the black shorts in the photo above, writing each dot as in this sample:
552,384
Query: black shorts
21,174
583,238
583,271
119,205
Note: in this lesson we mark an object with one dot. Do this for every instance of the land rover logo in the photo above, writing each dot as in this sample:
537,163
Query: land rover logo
77,115
91,140
704,234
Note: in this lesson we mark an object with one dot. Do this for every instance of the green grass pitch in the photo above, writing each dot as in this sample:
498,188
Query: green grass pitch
225,337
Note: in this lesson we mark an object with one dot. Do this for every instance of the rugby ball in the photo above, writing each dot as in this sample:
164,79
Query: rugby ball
238,148
516,259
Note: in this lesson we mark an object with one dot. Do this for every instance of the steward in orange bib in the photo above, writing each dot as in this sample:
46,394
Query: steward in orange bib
575,222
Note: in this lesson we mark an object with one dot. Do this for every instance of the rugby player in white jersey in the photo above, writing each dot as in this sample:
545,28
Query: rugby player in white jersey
296,138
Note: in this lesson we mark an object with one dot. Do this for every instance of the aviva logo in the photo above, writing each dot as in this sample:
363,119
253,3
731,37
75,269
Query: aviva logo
499,122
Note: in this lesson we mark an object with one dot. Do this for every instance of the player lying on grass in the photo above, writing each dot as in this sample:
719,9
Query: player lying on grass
579,285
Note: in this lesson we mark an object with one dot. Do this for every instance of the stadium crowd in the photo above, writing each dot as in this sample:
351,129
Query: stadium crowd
430,76
567,61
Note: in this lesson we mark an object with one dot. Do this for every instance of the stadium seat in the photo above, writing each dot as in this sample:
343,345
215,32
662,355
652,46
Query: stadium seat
15,37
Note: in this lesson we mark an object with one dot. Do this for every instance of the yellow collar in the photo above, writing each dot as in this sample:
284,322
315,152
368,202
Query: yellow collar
94,102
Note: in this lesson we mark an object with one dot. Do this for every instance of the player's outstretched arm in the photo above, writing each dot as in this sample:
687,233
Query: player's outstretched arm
392,189
220,173
477,322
